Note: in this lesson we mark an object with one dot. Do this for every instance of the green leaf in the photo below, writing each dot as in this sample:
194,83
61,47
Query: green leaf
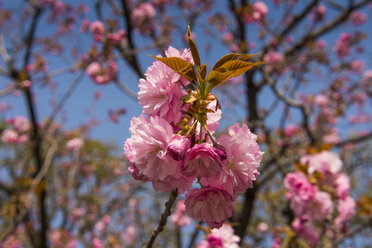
193,48
181,66
202,72
231,57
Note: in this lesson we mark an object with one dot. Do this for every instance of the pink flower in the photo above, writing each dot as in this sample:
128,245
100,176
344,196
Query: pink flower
129,235
262,227
325,162
290,130
319,13
346,209
20,123
97,28
304,227
260,10
227,38
147,147
143,12
97,243
342,46
147,154
243,158
10,242
12,137
273,60
357,66
102,75
223,237
358,18
202,160
178,147
74,144
342,184
160,93
117,37
209,204
300,191
320,207
321,100
178,217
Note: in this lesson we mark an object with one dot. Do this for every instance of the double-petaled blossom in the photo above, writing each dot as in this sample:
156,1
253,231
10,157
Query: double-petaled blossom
160,93
220,238
202,160
242,161
209,204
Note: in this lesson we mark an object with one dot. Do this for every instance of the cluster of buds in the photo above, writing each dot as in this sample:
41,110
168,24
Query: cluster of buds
174,145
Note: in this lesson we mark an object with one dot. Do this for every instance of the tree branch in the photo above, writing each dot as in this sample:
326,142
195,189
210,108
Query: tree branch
163,218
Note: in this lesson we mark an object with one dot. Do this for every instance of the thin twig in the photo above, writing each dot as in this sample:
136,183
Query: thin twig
163,218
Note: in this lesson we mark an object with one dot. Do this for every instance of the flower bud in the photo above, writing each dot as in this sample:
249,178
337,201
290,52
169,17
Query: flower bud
178,147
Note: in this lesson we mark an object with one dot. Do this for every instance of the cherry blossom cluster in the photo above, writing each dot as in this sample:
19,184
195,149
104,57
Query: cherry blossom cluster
170,148
317,194
17,132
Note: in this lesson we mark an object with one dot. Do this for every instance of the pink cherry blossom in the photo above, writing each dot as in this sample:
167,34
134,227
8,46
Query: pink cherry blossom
290,130
143,12
243,158
342,184
74,144
178,146
209,204
178,217
102,75
346,209
320,207
319,13
357,66
325,162
12,137
358,18
97,29
160,93
223,237
304,227
146,150
20,123
129,235
321,100
202,160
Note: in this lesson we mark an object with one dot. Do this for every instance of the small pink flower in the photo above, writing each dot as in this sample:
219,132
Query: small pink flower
346,209
74,144
143,12
202,160
357,66
290,130
129,235
209,204
20,123
178,217
342,184
325,162
243,159
102,75
304,227
220,238
319,13
12,137
97,28
358,18
97,243
117,37
178,147
321,100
